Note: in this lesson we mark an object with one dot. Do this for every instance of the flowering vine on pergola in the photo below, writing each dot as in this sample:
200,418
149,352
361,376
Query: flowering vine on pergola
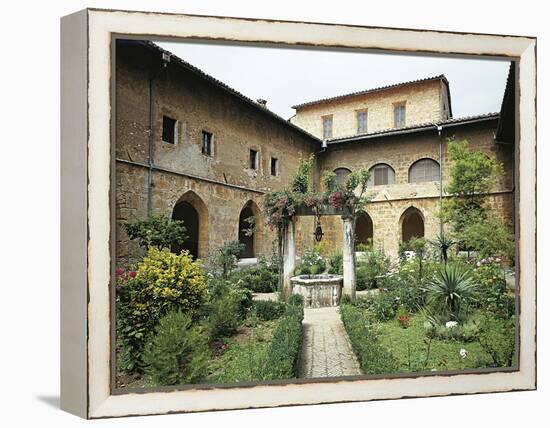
344,199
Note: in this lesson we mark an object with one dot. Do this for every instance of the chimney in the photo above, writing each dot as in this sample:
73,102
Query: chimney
262,102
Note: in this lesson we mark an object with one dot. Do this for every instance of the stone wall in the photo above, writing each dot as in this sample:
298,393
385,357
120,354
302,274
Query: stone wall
389,202
219,186
424,102
222,184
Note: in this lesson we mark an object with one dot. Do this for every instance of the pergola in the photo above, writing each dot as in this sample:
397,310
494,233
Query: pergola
288,245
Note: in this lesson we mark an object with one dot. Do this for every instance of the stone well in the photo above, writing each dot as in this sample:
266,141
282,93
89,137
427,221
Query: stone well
319,291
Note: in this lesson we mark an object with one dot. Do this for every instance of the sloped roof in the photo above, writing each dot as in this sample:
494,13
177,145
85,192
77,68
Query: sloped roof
416,128
378,89
223,86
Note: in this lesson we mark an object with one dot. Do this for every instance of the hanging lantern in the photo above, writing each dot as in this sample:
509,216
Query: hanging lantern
318,230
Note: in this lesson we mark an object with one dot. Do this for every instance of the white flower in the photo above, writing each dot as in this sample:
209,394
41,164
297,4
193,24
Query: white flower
463,353
451,324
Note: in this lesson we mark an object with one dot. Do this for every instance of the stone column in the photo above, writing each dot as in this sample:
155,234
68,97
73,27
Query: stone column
348,252
289,259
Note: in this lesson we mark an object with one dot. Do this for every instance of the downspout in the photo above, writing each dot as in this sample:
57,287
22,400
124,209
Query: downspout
439,129
151,132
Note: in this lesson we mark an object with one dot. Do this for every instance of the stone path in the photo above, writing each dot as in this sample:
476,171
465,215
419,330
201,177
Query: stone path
326,350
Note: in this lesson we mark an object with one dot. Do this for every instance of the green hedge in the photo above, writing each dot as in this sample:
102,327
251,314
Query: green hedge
372,356
267,310
284,350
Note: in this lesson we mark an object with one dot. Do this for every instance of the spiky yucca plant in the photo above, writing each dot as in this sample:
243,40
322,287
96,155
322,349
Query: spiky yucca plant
450,289
443,243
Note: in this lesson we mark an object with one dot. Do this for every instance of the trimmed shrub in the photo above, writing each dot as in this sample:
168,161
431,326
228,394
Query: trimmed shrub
497,337
177,353
284,350
267,310
492,295
258,279
382,306
163,282
228,305
372,356
296,300
370,271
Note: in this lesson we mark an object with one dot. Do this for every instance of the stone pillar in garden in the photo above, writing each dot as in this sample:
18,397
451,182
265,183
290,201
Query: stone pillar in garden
348,253
289,258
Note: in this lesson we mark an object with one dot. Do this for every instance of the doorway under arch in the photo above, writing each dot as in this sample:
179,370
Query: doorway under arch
364,229
412,224
248,223
192,211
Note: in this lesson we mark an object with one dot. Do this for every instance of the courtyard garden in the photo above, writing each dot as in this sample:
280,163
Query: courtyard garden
442,304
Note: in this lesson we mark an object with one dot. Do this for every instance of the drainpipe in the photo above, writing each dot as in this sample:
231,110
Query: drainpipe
439,129
151,131
316,171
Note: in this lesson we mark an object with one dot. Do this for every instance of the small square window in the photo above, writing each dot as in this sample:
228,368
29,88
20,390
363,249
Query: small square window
253,159
169,129
206,147
274,167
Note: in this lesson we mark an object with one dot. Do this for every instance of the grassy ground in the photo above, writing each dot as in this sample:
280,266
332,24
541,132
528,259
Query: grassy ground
415,352
242,356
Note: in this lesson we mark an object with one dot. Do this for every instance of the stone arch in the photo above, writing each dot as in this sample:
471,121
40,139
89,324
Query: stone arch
364,229
191,209
381,174
412,224
250,241
424,170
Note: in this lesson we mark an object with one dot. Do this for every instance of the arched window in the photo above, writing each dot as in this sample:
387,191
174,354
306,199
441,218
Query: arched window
424,170
363,229
412,224
248,219
192,211
381,174
341,175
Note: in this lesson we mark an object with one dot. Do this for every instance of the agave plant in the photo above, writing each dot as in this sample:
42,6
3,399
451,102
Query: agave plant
450,289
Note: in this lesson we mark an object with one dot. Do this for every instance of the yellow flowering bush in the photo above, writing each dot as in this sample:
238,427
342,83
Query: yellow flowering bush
163,282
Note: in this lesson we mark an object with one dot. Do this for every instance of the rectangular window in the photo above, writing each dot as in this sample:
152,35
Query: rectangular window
169,129
253,160
274,167
380,176
399,115
206,143
361,122
327,127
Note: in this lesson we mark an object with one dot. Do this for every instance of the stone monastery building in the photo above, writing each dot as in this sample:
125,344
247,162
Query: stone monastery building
190,146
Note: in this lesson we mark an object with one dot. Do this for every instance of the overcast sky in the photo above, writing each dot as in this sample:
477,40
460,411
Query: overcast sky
285,77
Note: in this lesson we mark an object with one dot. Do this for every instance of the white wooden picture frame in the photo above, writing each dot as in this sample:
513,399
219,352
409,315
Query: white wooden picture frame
86,162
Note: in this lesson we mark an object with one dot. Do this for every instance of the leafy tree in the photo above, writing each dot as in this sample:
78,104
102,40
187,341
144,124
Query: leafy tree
156,231
224,258
490,238
300,181
472,176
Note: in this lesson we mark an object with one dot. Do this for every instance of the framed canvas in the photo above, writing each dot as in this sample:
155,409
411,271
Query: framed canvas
177,189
